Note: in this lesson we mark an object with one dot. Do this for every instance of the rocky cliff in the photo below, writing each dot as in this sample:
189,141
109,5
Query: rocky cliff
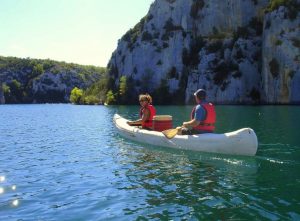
240,51
42,81
2,99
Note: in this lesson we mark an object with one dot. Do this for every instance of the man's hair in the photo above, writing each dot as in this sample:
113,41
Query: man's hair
200,94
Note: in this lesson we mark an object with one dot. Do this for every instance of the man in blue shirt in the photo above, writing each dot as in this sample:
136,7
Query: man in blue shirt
203,116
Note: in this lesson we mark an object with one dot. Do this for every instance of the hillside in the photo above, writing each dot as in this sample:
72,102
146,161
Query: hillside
43,81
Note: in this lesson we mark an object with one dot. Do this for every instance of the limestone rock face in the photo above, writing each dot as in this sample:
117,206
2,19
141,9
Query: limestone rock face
59,85
223,46
281,57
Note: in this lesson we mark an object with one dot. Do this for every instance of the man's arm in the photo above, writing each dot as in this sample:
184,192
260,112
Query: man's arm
190,124
199,116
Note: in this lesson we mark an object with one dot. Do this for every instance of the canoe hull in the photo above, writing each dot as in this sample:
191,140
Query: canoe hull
239,142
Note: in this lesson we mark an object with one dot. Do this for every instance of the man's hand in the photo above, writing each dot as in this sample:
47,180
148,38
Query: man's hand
186,125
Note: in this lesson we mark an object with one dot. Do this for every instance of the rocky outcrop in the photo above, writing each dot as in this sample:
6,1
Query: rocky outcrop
50,87
281,57
226,47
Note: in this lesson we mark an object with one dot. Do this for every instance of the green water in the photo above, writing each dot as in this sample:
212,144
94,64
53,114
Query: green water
67,162
270,181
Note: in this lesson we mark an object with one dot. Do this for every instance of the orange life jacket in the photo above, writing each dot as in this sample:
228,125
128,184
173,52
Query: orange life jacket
208,124
149,122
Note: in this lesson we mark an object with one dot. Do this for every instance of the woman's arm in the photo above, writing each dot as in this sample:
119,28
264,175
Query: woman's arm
135,123
146,115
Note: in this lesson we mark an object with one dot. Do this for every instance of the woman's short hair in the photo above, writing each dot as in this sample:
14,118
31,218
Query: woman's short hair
145,97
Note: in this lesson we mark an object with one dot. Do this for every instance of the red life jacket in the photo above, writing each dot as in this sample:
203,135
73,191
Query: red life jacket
148,123
208,124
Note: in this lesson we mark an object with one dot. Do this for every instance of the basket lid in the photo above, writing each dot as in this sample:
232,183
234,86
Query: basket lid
162,117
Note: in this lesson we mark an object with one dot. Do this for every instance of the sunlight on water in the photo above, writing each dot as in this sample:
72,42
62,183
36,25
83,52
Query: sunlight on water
15,203
1,190
2,178
231,161
274,161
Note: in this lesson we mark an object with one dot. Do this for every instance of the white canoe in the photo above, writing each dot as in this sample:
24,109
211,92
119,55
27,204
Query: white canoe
239,142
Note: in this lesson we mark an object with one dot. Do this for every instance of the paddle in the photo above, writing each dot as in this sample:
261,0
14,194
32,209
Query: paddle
170,133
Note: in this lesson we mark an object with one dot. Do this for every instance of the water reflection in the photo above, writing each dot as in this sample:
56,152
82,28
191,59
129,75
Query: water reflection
15,202
2,178
7,195
188,182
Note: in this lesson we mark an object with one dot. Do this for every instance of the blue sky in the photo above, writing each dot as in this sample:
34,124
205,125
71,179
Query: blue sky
78,31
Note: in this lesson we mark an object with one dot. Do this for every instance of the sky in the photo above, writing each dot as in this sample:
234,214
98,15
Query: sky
78,31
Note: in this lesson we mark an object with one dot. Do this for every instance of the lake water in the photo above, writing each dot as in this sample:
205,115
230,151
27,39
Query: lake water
67,162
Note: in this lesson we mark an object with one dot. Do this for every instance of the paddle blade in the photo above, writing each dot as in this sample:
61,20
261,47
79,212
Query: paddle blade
170,133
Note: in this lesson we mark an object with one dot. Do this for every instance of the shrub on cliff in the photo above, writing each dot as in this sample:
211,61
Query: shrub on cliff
146,36
292,5
169,26
132,35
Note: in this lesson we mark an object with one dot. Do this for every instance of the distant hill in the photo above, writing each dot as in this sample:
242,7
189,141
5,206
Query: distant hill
43,81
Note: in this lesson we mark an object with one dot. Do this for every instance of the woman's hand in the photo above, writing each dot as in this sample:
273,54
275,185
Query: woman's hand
134,123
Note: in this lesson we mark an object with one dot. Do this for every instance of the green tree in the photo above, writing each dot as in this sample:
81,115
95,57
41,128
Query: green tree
91,99
161,94
110,97
98,90
37,70
123,89
127,90
123,85
76,95
13,92
6,92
